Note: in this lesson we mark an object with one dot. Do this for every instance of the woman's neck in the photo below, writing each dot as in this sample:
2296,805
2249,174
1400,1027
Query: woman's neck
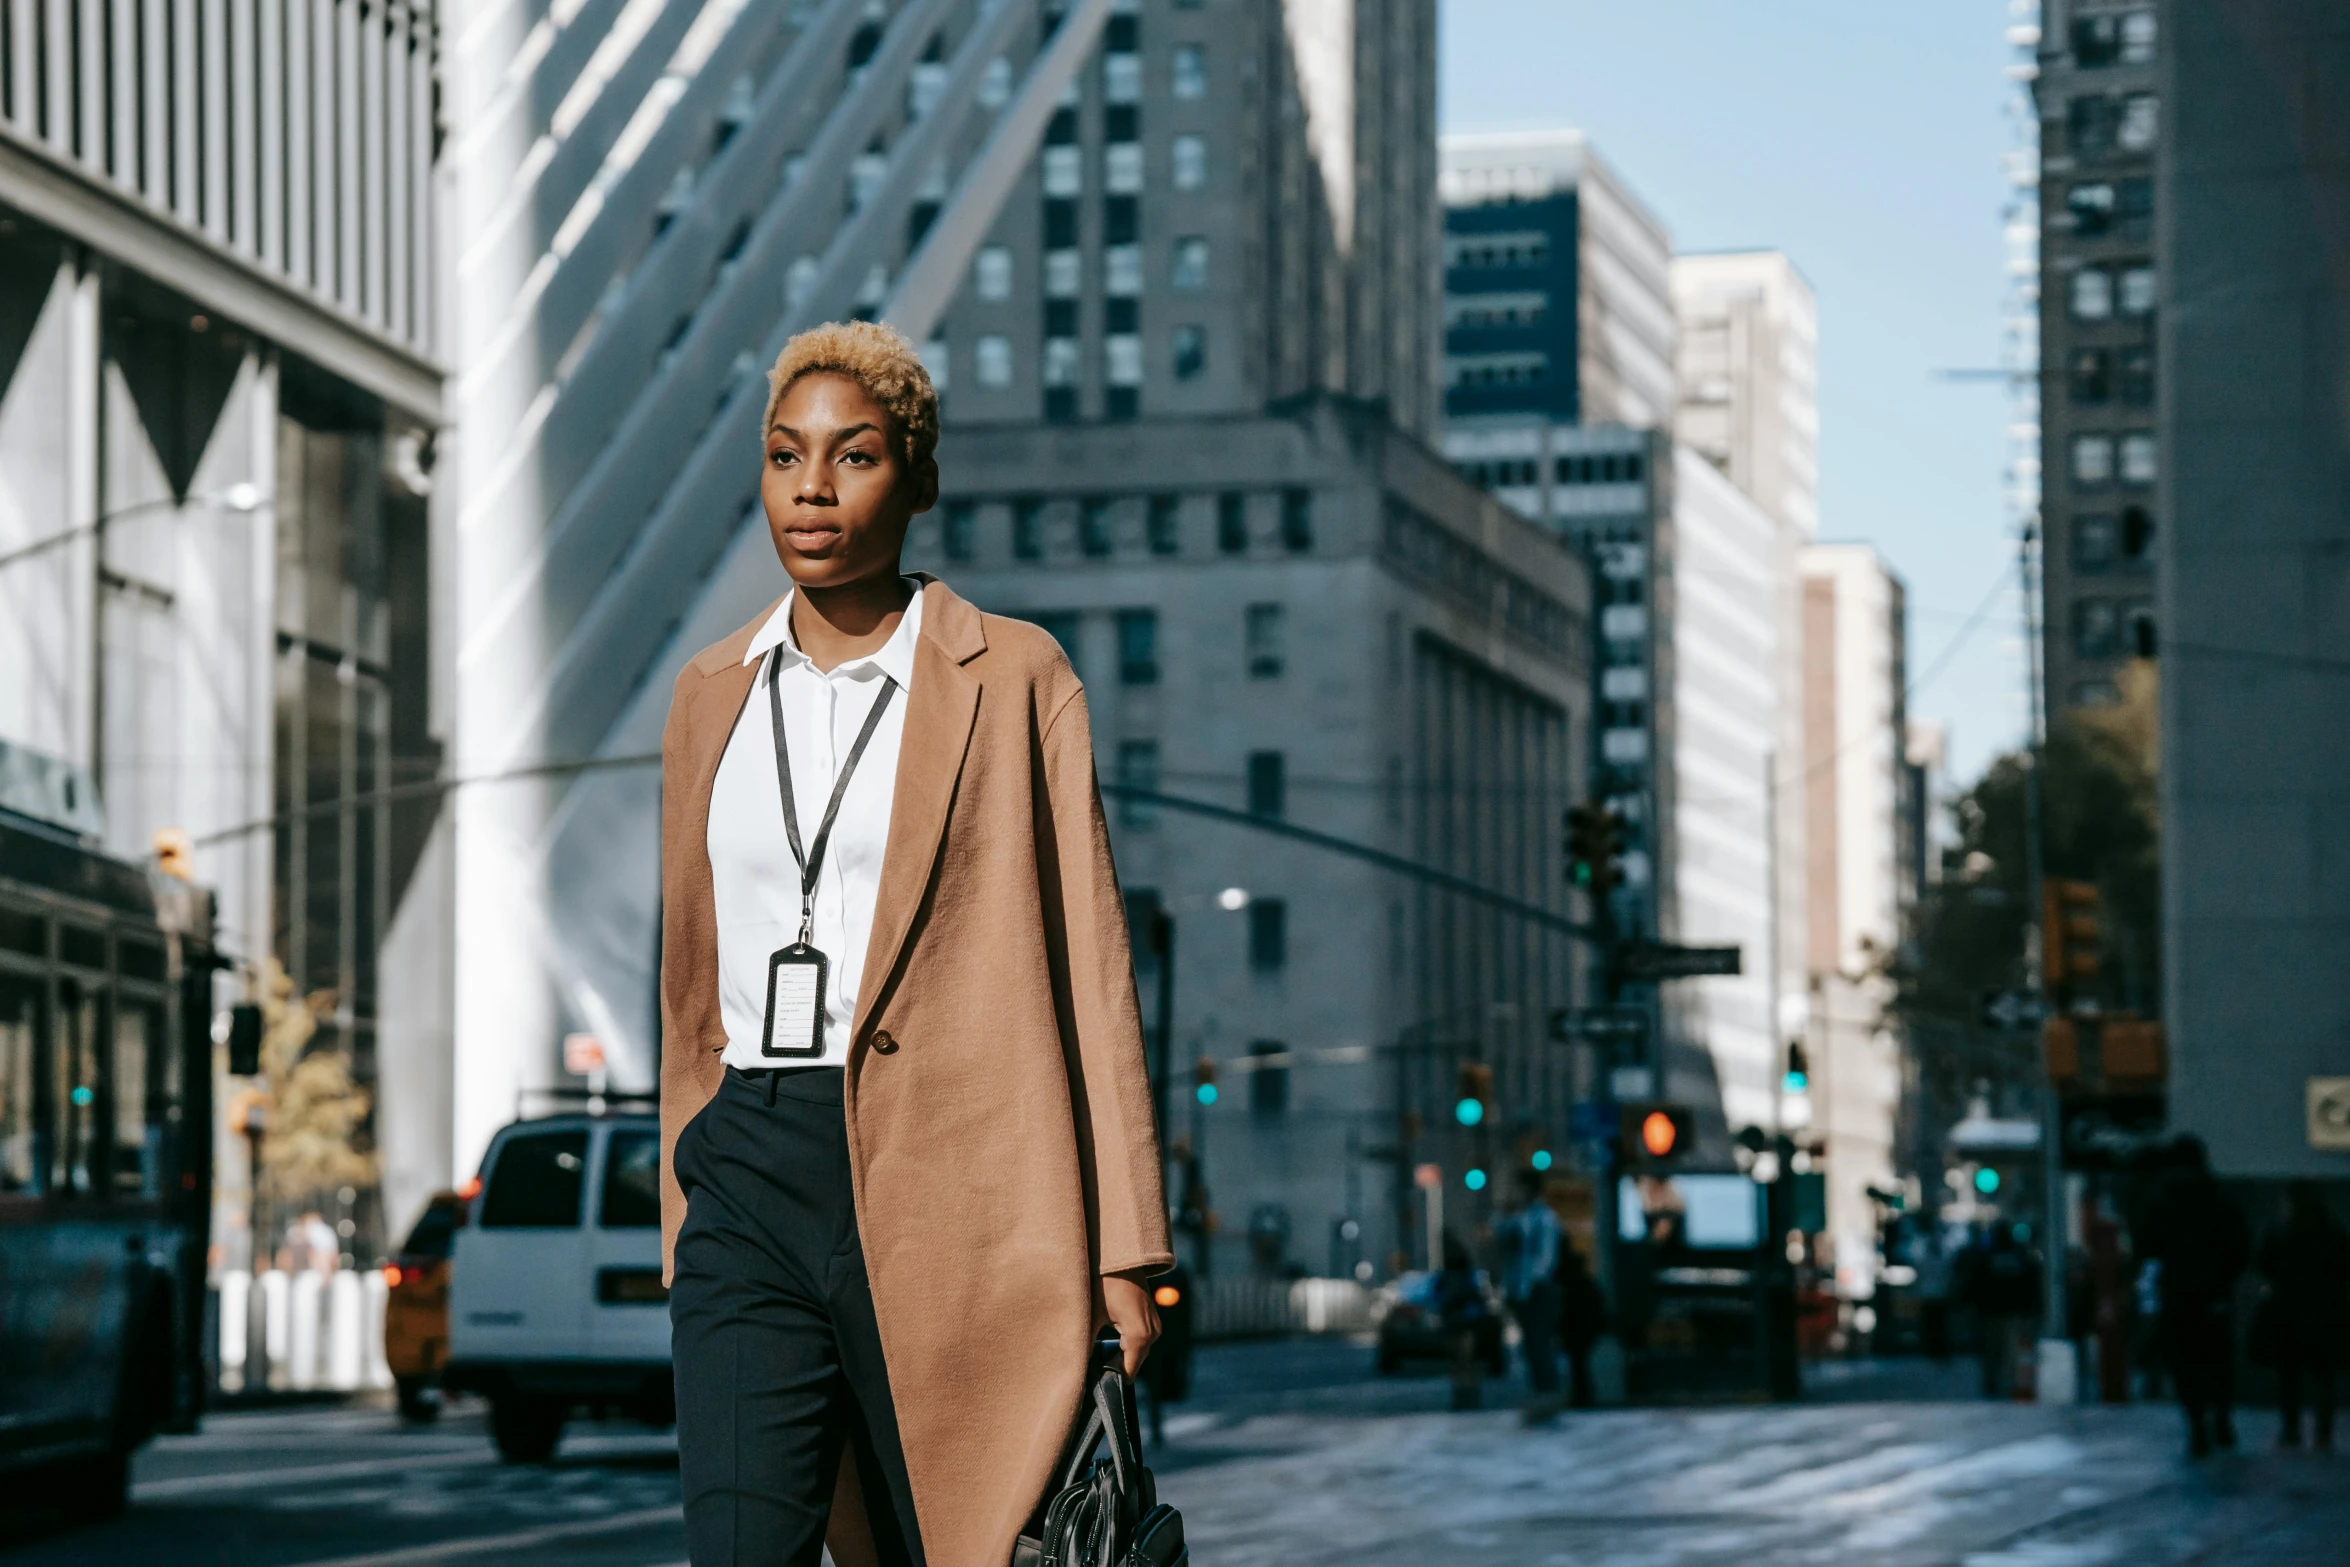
833,625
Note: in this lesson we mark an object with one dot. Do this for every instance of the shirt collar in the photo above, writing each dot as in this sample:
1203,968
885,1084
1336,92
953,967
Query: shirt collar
894,658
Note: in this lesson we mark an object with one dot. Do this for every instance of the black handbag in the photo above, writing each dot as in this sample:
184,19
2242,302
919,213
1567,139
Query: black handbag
1104,1508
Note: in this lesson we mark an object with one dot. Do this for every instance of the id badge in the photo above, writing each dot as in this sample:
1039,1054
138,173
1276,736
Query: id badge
795,1003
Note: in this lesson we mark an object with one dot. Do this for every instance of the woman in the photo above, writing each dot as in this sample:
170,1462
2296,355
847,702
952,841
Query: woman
910,1167
2306,1260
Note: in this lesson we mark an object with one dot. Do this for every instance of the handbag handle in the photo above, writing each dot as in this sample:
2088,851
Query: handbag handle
1110,1422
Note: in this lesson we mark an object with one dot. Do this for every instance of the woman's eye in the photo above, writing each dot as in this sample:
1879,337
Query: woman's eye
780,458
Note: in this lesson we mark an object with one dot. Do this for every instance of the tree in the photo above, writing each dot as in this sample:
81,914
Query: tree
316,1111
2099,825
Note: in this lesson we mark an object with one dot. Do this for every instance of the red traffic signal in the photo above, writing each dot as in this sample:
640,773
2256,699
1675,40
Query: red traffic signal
1649,1135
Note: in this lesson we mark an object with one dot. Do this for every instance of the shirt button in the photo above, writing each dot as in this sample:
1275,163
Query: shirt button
883,1042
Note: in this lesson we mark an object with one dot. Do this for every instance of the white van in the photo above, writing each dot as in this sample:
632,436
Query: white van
555,1300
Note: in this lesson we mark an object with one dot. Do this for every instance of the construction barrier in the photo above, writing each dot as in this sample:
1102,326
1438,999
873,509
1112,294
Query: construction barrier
301,1333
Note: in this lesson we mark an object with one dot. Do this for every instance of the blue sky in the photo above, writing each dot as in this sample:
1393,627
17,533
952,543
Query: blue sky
1864,138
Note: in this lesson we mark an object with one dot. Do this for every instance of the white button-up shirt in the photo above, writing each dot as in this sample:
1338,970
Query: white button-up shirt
753,877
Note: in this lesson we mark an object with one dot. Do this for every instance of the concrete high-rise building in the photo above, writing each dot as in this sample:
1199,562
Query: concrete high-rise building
2253,250
1748,368
218,387
2101,122
1858,840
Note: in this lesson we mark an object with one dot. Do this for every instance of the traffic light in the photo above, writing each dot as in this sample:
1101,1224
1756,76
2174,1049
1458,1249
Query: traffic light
1203,1080
2069,931
244,1040
1596,840
1476,1094
1798,1078
1652,1136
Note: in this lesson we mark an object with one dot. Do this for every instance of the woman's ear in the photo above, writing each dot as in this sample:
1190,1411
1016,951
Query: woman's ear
925,486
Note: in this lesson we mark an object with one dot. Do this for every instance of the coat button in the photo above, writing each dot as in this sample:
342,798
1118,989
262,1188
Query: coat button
883,1042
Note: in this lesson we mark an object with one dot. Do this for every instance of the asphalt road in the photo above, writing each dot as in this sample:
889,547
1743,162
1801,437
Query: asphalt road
1294,1454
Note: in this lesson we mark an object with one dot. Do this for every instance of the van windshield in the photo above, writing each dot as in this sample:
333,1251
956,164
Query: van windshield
536,1182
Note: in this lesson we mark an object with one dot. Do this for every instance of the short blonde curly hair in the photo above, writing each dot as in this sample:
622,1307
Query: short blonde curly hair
878,359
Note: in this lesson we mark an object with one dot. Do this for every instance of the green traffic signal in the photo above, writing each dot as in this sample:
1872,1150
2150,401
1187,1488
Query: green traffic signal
1469,1112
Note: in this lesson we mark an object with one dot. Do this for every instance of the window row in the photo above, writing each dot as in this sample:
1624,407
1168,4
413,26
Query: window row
1488,370
2099,293
1096,538
2097,460
1575,468
1060,366
1061,167
1485,310
2113,628
2095,376
1529,248
1064,270
2104,38
2100,124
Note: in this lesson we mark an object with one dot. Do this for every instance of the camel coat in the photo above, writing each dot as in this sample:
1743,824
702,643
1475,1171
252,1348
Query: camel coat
1000,1134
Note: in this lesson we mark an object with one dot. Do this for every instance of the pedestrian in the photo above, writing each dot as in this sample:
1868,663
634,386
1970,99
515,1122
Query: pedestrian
1999,1276
1465,1314
1930,1256
1529,1239
2197,1233
2306,1260
903,1100
1582,1322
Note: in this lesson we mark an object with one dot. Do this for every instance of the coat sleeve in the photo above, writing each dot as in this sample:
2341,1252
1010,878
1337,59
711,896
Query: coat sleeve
1109,1083
674,960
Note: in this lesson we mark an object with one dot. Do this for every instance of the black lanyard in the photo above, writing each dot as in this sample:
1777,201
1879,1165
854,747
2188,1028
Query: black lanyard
811,863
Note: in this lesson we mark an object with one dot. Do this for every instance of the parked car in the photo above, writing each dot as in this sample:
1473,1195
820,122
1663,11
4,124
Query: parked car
556,1302
1411,1324
416,1307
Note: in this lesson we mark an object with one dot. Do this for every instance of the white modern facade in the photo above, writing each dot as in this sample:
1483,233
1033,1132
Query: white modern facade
1748,369
1856,785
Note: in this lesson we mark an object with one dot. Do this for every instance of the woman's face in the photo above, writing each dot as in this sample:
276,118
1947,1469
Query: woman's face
836,486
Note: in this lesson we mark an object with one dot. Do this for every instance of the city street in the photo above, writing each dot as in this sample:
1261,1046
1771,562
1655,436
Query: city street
1294,1454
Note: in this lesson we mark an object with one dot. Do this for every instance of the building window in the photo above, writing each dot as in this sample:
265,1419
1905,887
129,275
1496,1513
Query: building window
1268,934
2136,292
1165,539
1064,171
1093,526
955,529
1060,404
2092,208
2091,294
1122,359
2136,201
2139,124
1122,168
2137,37
1138,647
1189,345
2134,380
2093,542
1268,1078
1190,162
2137,458
2089,372
1060,224
1264,641
991,361
1121,220
1297,520
1191,71
1060,361
1232,522
995,84
2137,617
1028,528
1138,768
2092,460
1122,313
1122,271
1267,788
1122,76
2096,628
1121,122
1122,402
2089,125
2137,534
991,273
938,360
1190,272
2097,40
1064,274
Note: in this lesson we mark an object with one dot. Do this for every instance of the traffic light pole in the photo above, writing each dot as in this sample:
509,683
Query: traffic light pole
2055,1346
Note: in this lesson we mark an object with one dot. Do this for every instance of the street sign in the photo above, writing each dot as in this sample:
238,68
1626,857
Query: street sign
2012,1009
1649,961
2329,1114
1600,1025
582,1054
2112,1131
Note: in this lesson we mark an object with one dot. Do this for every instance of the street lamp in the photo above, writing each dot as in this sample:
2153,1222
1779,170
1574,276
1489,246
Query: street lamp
242,497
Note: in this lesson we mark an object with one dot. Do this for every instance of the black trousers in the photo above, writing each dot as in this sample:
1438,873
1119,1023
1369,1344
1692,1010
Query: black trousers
772,1332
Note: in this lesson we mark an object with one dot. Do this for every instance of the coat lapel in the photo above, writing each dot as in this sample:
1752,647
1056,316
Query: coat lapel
939,714
726,685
